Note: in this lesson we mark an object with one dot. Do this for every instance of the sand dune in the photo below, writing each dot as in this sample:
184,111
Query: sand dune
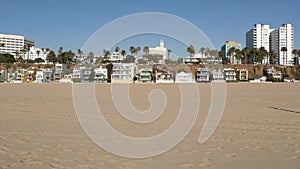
260,129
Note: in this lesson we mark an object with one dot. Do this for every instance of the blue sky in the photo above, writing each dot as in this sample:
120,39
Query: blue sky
55,23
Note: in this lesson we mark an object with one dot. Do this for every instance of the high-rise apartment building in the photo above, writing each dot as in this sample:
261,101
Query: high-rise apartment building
259,37
225,48
280,39
13,44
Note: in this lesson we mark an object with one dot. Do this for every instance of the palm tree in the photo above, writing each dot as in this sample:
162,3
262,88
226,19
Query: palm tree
38,53
239,54
284,50
231,53
80,52
202,50
117,49
106,53
132,49
296,54
169,51
220,54
262,53
136,51
253,53
123,52
273,57
245,52
191,50
146,49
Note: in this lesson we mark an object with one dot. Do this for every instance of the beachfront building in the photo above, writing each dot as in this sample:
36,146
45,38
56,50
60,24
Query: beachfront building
39,76
100,74
195,59
217,75
184,77
163,77
283,37
145,75
123,72
14,44
273,74
35,53
231,57
202,75
242,75
58,71
230,75
259,37
48,75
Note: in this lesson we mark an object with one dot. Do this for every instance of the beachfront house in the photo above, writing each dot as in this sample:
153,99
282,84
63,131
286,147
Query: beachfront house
183,77
39,76
273,75
123,72
145,75
58,71
230,75
164,77
87,74
202,75
242,74
100,74
217,75
115,57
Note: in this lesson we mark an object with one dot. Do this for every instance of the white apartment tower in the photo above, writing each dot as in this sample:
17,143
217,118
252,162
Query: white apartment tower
283,37
13,44
259,37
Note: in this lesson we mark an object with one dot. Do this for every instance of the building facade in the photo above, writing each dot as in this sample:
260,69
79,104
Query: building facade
159,51
283,37
225,48
259,36
13,44
123,73
35,53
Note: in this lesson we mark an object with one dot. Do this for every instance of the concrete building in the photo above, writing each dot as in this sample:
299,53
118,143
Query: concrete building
35,53
202,75
13,44
100,74
115,57
183,77
225,48
283,37
217,76
163,77
259,37
123,73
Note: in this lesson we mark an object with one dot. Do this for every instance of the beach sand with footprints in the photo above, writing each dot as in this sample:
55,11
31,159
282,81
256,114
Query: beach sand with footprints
260,128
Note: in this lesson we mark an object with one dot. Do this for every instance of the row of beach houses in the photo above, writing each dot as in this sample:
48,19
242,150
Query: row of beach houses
128,73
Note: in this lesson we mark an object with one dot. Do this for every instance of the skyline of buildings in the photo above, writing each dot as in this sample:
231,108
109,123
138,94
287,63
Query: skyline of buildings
14,44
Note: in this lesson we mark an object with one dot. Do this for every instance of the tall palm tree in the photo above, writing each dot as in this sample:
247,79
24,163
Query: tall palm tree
245,52
273,57
38,53
202,50
117,49
80,52
231,53
253,53
239,54
191,50
284,50
146,49
106,53
136,51
220,54
132,49
169,51
296,54
123,52
262,53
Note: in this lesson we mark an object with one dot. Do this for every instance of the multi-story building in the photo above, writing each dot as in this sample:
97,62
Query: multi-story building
163,77
123,72
145,75
159,51
202,75
259,37
242,75
14,44
230,75
100,74
283,37
225,48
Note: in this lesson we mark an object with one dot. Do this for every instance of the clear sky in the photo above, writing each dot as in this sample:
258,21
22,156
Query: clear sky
55,23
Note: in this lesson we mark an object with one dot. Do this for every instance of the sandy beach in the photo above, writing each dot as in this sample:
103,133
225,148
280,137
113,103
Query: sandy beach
259,129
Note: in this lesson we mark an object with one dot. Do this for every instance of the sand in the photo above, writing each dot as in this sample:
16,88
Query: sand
260,129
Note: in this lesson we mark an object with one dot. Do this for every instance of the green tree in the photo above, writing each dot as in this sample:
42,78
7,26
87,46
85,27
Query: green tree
231,54
146,50
117,49
51,57
245,52
296,56
253,54
132,50
202,50
123,52
169,51
273,57
262,53
106,53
